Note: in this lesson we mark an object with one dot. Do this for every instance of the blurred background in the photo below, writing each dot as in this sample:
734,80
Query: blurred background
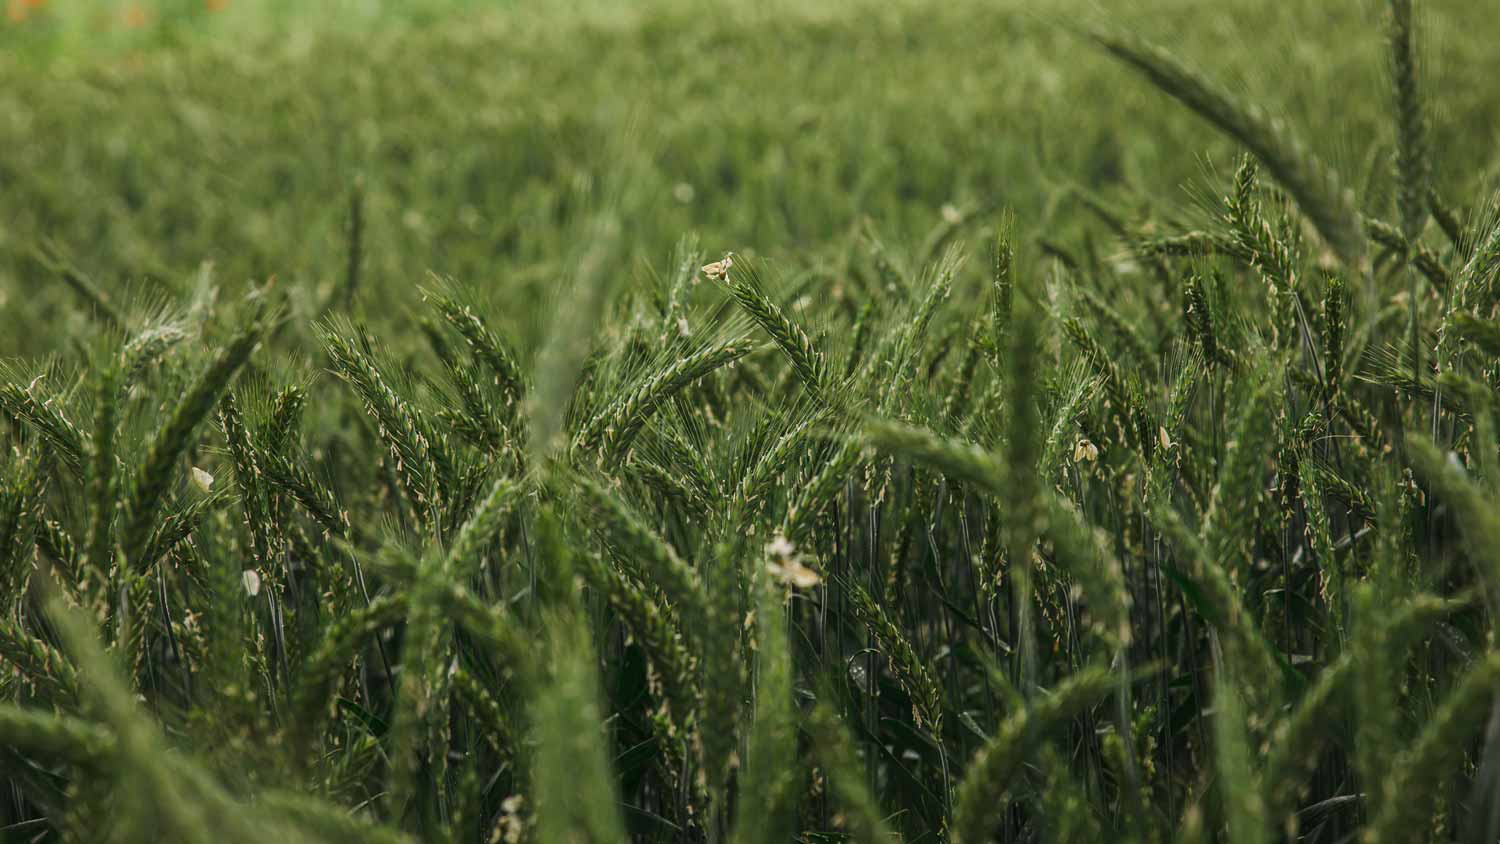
142,141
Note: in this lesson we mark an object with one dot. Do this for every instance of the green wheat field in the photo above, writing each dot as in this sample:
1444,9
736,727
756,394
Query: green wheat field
750,422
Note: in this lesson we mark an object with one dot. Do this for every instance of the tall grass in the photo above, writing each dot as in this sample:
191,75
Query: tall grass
1185,530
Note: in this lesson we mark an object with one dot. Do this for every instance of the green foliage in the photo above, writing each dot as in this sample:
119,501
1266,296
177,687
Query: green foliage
1151,525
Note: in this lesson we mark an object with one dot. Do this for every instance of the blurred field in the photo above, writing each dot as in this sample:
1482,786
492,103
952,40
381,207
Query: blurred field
147,146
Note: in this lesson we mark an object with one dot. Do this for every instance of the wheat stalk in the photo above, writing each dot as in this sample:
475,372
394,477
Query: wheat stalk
1315,187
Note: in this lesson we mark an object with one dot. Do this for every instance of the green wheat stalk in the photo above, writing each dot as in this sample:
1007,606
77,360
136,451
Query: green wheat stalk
1315,187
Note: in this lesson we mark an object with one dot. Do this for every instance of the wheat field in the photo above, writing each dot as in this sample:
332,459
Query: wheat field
673,422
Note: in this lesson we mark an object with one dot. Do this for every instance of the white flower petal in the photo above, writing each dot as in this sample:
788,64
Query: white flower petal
202,480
